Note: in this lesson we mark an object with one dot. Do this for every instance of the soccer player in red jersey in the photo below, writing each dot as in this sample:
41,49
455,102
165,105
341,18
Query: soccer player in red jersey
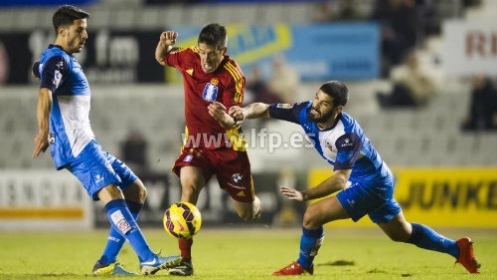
213,144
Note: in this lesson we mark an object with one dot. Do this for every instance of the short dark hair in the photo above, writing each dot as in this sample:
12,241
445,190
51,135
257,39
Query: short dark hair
337,90
213,34
65,15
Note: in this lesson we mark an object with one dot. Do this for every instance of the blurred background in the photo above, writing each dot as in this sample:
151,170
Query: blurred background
421,75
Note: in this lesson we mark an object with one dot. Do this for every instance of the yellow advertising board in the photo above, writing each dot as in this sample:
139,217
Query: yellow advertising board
455,197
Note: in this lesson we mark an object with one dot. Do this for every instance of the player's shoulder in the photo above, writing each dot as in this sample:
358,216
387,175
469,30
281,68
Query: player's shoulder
346,118
232,69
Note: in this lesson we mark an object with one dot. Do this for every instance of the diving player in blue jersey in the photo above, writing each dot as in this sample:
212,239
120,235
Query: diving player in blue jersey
64,126
363,180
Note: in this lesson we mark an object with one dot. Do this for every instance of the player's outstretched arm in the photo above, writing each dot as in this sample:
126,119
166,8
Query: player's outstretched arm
252,111
166,41
336,182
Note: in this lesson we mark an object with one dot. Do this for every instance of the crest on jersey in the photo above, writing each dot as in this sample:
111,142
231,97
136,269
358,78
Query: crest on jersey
189,71
329,146
210,92
215,81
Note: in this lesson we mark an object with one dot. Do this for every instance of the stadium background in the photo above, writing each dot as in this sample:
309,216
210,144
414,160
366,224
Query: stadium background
446,178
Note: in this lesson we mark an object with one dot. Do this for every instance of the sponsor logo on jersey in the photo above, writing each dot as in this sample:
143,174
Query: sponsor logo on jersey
210,92
346,143
284,106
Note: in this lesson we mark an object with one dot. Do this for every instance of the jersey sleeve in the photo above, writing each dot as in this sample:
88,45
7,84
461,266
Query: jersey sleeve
175,57
348,149
285,111
53,73
36,69
235,85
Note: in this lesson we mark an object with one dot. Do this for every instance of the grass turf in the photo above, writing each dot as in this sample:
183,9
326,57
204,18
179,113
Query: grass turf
242,253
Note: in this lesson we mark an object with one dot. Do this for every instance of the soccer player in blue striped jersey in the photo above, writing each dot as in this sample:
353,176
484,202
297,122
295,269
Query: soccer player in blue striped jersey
364,183
64,126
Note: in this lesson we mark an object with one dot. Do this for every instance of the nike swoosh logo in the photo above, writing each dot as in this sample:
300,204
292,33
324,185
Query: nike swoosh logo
152,262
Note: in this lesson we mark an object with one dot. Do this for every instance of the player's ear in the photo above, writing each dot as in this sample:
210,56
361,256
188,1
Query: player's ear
224,50
61,31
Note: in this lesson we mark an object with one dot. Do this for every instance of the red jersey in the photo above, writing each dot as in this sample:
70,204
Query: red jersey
226,85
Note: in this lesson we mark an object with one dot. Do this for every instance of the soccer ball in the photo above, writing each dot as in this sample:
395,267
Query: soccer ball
182,220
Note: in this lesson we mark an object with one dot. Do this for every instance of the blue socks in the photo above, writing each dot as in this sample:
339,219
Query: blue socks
124,226
115,241
426,238
310,242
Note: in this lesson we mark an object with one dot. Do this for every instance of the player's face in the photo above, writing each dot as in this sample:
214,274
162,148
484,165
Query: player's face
75,36
210,57
322,108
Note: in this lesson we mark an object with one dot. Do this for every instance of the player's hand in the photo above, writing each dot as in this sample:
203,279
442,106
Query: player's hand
237,113
41,144
292,193
168,38
218,112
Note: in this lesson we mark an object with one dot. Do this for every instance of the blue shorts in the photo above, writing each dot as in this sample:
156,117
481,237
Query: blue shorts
96,169
373,199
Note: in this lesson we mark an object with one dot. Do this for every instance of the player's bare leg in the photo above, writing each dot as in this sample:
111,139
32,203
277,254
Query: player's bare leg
398,229
248,211
192,181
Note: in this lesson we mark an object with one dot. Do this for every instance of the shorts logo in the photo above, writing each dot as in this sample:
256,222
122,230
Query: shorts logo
210,92
351,202
120,222
240,194
236,187
51,138
98,178
188,158
237,178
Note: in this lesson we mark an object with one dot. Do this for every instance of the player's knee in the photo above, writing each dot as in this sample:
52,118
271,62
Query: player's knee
142,193
136,192
309,220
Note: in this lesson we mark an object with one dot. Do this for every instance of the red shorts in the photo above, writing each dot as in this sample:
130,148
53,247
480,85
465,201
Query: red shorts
232,169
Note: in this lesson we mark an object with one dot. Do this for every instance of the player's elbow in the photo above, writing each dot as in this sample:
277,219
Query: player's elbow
160,60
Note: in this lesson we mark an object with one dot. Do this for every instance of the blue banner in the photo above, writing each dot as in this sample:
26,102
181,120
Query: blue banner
46,2
347,51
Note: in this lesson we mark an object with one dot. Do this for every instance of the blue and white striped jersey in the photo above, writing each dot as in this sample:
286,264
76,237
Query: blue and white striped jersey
344,145
70,129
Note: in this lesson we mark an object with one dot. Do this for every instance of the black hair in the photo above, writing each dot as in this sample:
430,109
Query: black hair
65,15
337,90
213,34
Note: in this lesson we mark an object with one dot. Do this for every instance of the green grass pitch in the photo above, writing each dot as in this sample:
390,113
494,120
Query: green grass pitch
248,253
